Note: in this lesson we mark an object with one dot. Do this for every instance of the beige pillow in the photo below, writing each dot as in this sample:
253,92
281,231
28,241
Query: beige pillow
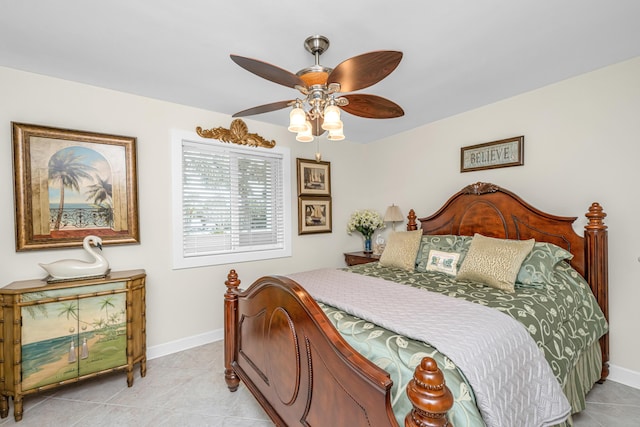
401,250
495,262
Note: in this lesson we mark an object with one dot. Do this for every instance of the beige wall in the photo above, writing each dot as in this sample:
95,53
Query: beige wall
581,145
180,303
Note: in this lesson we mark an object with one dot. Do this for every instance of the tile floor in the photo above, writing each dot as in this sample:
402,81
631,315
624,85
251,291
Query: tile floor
188,389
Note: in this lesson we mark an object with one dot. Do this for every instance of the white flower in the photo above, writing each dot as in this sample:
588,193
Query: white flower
365,221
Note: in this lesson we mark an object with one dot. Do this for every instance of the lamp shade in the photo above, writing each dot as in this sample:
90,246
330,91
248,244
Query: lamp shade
331,118
336,135
393,214
297,119
305,135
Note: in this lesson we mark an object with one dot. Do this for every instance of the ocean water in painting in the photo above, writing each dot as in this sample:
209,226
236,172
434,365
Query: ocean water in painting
70,206
40,353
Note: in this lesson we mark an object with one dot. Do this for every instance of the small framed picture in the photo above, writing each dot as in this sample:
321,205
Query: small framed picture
314,215
314,178
491,155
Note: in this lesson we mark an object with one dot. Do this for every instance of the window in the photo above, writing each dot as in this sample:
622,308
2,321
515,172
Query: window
231,203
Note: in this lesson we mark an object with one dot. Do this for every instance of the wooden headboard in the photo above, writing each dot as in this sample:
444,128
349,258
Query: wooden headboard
490,210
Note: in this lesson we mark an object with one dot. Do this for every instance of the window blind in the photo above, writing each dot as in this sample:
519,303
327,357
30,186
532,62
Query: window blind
232,200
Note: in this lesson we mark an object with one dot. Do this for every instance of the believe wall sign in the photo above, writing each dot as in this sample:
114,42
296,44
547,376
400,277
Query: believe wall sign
491,155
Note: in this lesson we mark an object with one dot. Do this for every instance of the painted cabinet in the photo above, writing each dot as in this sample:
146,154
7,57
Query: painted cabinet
56,334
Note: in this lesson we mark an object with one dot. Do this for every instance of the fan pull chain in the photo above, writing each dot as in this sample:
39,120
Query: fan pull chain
318,154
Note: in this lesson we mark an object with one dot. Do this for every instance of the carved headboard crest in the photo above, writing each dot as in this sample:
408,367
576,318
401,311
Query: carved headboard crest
480,188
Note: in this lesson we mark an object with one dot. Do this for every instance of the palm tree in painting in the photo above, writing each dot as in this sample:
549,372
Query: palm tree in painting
114,318
98,324
70,309
106,303
65,170
35,308
101,193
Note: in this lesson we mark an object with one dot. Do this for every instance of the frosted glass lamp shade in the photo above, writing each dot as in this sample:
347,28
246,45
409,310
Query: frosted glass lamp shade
305,135
331,118
297,120
336,135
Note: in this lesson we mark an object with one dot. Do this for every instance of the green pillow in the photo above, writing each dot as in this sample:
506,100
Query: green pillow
540,264
495,262
445,243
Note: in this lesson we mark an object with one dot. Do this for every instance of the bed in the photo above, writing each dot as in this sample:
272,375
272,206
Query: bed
285,347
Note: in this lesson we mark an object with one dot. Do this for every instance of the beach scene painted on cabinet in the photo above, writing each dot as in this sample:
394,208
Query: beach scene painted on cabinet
71,338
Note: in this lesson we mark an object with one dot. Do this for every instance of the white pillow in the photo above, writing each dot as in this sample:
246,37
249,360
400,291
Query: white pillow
443,262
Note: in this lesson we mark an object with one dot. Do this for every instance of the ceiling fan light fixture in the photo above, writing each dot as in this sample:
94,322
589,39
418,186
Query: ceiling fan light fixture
305,135
336,135
331,118
297,120
324,90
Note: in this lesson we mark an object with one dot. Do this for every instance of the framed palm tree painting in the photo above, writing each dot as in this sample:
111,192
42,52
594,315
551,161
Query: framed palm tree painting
70,184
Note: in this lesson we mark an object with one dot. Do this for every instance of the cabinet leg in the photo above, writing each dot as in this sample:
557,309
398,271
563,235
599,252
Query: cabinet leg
129,377
4,406
143,367
17,408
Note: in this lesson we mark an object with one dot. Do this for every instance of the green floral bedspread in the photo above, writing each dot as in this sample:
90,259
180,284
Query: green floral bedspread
562,317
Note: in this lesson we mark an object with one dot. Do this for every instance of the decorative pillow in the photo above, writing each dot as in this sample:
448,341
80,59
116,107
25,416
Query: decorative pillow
401,249
443,262
495,262
444,243
539,265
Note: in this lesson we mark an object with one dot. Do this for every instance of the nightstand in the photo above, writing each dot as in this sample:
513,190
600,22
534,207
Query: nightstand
355,258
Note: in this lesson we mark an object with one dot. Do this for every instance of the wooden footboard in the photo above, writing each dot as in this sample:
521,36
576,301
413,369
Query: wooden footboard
279,342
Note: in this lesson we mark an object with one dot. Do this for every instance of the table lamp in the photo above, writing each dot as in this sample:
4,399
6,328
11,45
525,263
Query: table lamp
393,215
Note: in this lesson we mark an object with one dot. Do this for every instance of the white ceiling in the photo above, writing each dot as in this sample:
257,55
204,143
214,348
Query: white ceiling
458,54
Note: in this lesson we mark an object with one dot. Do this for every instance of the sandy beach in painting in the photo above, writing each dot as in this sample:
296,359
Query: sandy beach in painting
53,369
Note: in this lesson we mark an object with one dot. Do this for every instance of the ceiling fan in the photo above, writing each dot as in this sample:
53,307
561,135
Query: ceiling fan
322,88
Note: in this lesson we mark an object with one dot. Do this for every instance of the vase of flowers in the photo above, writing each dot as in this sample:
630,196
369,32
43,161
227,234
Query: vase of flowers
366,222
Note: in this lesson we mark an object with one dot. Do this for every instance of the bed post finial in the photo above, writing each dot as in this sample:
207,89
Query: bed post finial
597,274
412,225
230,333
429,395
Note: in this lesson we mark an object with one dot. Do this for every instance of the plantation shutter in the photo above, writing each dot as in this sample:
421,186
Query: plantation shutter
232,200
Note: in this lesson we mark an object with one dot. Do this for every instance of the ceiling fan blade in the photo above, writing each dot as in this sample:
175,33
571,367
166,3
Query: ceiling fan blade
268,71
364,70
264,108
372,106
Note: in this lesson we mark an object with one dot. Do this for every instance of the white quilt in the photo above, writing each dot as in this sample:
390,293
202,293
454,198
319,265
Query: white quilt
512,382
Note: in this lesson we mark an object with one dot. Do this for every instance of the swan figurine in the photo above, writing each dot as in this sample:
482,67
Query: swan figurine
75,268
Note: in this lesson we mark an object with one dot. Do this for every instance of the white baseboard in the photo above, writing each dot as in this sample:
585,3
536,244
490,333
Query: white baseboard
184,344
624,376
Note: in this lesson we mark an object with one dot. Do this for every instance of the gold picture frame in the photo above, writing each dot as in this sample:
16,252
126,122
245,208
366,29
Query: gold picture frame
491,155
314,177
314,215
69,184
